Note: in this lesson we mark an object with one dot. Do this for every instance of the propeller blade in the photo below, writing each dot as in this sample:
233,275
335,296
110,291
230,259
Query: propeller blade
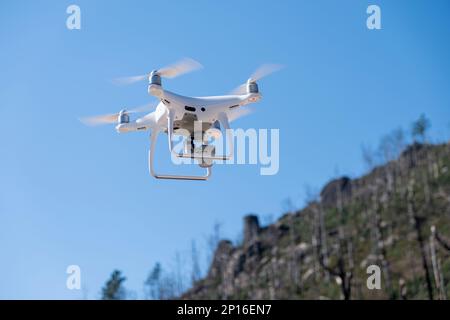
258,74
240,112
144,108
181,67
99,120
242,89
129,80
264,71
112,117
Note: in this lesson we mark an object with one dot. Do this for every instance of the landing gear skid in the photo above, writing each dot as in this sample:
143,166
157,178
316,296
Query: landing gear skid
151,154
223,119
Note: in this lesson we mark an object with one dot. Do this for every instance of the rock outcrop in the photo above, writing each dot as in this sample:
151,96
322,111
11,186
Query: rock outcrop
294,257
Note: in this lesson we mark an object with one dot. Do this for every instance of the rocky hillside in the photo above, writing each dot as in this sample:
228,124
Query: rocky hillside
322,251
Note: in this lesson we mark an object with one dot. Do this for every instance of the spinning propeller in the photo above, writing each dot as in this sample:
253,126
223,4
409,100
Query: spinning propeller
261,72
181,67
114,117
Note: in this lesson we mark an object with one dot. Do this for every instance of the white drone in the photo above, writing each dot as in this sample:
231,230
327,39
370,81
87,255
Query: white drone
180,115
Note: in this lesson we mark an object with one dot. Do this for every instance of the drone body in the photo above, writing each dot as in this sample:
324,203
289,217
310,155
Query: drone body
186,110
196,118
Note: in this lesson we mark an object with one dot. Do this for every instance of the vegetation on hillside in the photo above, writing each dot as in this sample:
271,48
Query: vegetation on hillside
396,217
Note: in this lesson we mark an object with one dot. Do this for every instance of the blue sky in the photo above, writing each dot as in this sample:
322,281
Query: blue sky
71,194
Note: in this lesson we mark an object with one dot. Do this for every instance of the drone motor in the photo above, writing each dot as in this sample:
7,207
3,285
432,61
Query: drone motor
123,117
155,78
252,86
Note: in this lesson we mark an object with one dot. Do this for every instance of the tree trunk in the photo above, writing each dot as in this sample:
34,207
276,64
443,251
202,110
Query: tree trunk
437,272
416,223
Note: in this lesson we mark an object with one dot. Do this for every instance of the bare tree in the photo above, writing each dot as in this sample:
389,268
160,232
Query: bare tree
195,271
419,133
391,145
437,272
419,128
322,236
344,269
379,247
153,283
179,281
389,148
439,277
343,275
288,205
368,156
416,222
168,287
294,267
212,241
292,264
114,289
